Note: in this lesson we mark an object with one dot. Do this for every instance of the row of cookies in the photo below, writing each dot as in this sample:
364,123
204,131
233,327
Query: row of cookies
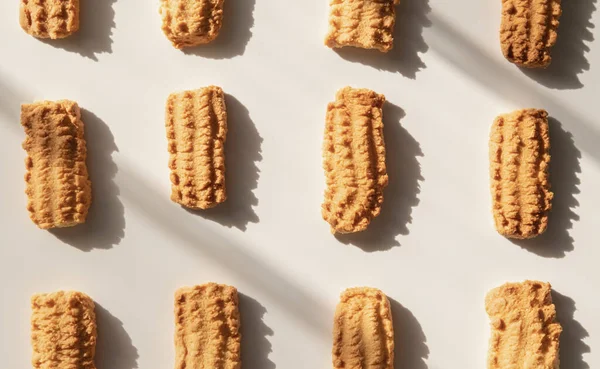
527,31
208,335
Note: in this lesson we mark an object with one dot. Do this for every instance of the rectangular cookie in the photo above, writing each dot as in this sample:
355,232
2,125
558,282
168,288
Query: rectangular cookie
207,327
354,160
49,18
189,23
63,330
363,331
528,31
58,188
196,124
524,331
519,162
367,24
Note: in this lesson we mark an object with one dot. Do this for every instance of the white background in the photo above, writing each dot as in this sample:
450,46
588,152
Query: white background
433,250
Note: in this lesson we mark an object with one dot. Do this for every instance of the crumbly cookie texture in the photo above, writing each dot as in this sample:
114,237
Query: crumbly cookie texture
367,24
524,331
49,18
207,327
58,188
188,23
363,333
196,124
63,330
519,163
354,160
528,31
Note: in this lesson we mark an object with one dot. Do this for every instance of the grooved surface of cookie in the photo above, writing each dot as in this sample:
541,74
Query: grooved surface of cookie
196,124
363,333
354,160
191,22
49,18
207,327
528,31
58,189
367,24
63,331
519,161
525,334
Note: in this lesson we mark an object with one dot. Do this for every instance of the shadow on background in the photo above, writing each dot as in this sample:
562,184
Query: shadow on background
401,195
97,20
105,224
564,170
114,349
568,55
255,342
242,152
404,58
410,341
235,33
572,346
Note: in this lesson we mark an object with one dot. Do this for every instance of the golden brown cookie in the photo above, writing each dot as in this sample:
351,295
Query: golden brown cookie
63,331
519,161
367,24
189,23
363,333
528,31
58,189
196,124
524,331
49,18
207,327
354,160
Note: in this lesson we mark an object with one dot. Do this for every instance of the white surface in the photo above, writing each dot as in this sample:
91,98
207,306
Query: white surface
440,253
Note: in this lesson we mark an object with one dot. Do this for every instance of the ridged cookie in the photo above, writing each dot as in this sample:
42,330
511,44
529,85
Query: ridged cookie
367,24
196,124
524,331
207,327
189,23
49,18
363,333
63,331
58,189
528,31
519,161
354,160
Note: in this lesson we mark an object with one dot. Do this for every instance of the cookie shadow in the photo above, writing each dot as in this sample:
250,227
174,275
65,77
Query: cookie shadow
96,23
235,34
409,339
401,195
242,153
564,179
255,342
409,44
572,346
569,54
105,224
114,349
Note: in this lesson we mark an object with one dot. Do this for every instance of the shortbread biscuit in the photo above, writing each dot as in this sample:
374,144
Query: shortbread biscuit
519,161
528,31
354,160
363,333
189,23
49,18
524,331
63,331
207,327
196,124
58,189
367,24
